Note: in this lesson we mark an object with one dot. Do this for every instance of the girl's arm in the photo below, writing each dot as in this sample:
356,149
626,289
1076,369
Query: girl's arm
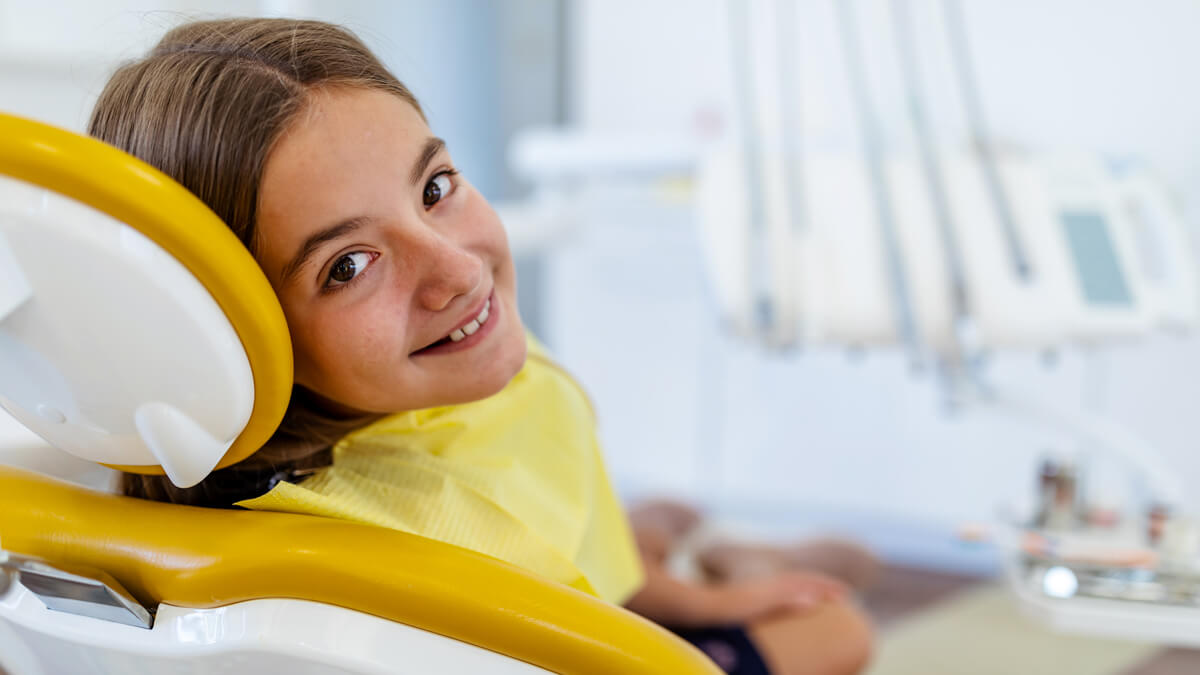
667,600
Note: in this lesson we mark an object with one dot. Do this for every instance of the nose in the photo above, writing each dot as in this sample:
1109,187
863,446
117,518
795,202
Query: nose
448,271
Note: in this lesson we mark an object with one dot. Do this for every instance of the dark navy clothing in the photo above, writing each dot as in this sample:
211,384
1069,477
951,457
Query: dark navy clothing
729,647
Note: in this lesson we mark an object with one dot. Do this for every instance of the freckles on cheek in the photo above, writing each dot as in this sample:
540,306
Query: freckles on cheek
357,340
337,346
374,344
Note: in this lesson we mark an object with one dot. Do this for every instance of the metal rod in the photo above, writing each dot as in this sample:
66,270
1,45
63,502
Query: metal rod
935,178
964,69
758,262
873,149
789,110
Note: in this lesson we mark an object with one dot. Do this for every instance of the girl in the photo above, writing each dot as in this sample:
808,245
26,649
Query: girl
420,403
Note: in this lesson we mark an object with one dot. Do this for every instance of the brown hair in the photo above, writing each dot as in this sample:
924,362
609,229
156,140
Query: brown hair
206,106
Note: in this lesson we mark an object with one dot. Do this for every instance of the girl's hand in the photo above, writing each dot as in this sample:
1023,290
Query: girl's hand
741,602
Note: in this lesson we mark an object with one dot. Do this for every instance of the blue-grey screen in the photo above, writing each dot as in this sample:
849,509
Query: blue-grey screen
1096,260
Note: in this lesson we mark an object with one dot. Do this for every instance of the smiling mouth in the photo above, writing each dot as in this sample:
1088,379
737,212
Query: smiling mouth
463,332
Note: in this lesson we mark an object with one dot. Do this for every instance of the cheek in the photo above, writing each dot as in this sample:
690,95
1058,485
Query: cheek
490,239
344,345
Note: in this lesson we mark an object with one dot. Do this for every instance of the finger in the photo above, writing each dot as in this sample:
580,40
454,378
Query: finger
806,600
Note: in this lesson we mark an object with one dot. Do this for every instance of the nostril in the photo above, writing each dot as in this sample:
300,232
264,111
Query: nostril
448,285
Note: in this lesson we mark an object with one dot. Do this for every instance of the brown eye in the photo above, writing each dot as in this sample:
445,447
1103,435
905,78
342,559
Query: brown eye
347,267
437,189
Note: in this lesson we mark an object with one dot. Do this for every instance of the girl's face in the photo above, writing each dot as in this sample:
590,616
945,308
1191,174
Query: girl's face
393,272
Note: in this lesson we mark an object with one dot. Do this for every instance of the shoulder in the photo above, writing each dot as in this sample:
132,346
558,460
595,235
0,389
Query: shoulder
545,373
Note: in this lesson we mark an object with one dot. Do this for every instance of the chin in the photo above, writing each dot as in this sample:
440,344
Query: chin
507,365
494,377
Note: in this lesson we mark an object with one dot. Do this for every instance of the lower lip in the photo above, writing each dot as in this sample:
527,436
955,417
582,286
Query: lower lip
470,340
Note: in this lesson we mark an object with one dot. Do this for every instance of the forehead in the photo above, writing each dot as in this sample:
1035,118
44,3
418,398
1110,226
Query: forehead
342,137
347,152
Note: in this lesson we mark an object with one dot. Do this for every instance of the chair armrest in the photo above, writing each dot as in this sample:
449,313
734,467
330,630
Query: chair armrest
195,557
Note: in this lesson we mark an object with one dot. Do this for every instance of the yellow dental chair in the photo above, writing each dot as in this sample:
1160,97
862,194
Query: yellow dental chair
137,332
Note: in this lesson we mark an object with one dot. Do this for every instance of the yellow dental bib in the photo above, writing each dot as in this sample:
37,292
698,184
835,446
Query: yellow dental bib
518,476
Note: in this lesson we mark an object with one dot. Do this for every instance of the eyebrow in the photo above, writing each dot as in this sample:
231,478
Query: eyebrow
314,242
433,146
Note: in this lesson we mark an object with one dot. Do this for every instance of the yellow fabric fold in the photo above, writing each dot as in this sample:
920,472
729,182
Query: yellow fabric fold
518,476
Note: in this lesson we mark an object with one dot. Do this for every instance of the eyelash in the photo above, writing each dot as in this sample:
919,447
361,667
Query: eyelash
327,289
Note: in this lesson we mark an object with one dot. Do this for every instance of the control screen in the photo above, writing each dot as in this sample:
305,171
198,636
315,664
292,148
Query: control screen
1096,260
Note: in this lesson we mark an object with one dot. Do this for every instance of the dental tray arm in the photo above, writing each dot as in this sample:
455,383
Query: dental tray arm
201,558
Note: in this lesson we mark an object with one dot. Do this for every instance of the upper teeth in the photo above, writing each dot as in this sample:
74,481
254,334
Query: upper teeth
470,328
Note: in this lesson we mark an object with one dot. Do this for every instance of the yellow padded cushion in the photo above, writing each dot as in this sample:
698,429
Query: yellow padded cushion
194,557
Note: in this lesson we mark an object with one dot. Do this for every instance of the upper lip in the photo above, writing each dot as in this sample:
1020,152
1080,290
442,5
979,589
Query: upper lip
469,317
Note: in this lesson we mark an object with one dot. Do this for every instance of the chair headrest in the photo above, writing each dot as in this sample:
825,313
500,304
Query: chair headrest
135,329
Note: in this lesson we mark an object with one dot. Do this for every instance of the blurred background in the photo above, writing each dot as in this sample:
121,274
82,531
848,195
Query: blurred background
721,369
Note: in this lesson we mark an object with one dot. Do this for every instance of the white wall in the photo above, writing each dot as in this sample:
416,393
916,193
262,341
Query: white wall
821,431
